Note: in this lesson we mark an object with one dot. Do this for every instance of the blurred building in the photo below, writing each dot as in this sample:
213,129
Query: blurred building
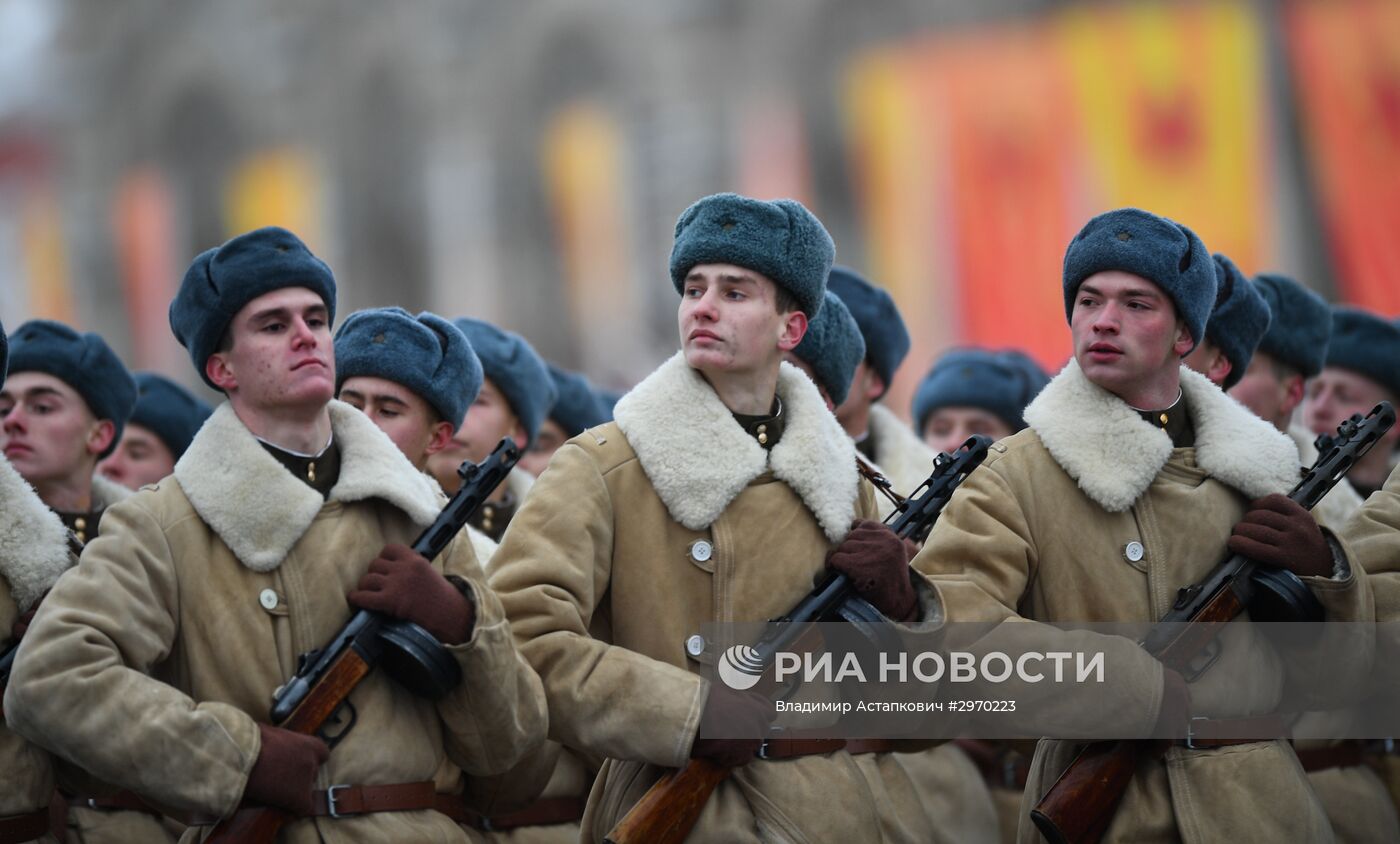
525,162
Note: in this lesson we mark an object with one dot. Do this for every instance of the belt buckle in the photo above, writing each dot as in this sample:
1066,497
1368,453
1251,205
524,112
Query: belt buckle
330,800
1190,743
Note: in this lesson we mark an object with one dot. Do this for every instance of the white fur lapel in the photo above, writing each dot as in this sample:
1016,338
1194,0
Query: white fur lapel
518,483
900,454
260,511
1114,454
699,459
33,541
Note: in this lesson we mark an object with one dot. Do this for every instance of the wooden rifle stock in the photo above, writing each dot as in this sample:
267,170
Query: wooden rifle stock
320,688
1082,802
669,809
262,823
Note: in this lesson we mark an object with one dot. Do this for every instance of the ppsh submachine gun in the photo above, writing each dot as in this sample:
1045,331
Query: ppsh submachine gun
671,807
320,690
1081,804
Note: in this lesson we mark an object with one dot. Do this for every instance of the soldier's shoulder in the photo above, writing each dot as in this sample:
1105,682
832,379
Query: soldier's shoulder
164,501
606,446
1022,449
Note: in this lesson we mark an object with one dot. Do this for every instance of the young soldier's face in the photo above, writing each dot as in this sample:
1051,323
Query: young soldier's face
141,458
729,320
50,434
1267,390
546,442
489,420
949,427
1126,332
282,355
401,414
1335,394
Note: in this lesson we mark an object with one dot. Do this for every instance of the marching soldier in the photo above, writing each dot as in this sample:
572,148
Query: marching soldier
1363,368
65,406
716,495
1276,315
1291,351
1233,331
830,351
880,436
516,393
1132,476
162,424
577,407
152,663
975,391
955,796
415,377
33,553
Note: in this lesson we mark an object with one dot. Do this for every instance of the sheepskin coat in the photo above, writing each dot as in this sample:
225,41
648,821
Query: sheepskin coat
33,553
603,583
1040,531
151,663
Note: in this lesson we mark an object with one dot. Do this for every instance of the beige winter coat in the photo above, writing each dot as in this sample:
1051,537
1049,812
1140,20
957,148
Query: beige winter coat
1040,531
33,553
152,661
603,581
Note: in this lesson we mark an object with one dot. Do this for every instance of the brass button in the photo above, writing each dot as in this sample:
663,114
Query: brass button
311,472
763,428
82,537
486,523
762,439
1163,417
80,523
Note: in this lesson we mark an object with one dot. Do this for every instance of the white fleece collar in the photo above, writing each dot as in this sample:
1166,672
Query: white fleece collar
260,510
33,540
1114,454
699,459
901,456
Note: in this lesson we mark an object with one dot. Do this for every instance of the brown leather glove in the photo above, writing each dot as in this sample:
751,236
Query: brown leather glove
404,585
877,563
1278,531
286,769
728,712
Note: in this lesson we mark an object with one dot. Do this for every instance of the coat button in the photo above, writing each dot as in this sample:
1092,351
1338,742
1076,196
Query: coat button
695,645
268,599
701,551
1133,551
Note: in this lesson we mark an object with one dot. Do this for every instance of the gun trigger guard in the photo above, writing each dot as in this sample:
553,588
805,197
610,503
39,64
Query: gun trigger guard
330,739
1202,661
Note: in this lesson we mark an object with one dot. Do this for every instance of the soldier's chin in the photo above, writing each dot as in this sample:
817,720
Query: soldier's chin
706,359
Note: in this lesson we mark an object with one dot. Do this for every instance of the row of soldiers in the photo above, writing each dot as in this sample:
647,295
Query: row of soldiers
724,482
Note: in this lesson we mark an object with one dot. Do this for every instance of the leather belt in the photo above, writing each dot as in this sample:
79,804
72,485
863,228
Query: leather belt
1001,767
341,800
122,801
788,748
1210,733
27,827
1348,754
545,812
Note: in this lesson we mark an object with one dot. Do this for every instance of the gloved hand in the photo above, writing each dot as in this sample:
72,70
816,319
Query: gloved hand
877,563
1278,531
404,585
286,769
728,712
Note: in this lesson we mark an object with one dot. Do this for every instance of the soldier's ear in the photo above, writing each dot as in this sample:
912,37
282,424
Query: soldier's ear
441,436
100,436
1184,343
794,328
218,370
